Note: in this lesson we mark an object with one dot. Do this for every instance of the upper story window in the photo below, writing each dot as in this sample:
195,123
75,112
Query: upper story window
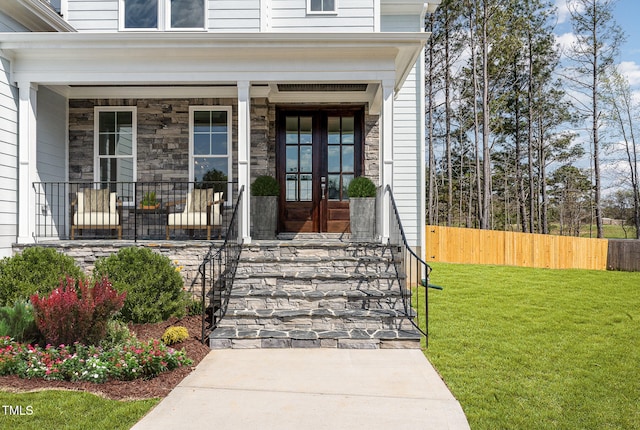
322,6
162,14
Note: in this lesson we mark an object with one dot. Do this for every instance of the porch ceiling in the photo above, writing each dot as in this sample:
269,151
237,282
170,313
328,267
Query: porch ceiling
76,60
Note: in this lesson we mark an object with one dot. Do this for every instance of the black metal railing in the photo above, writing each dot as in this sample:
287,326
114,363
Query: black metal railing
218,271
133,210
412,272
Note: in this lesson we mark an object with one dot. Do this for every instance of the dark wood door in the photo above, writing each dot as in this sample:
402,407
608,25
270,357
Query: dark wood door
319,153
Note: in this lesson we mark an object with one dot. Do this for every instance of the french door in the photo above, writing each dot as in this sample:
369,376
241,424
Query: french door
319,152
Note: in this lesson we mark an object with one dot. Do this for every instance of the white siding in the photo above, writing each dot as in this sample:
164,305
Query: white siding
8,160
234,15
93,15
352,16
9,25
51,155
400,23
408,175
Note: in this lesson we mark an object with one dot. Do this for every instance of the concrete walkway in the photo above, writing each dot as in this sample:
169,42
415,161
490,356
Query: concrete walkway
261,389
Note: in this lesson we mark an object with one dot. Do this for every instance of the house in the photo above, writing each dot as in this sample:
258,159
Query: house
123,94
255,66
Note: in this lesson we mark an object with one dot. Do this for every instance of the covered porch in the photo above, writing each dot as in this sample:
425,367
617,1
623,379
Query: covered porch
152,91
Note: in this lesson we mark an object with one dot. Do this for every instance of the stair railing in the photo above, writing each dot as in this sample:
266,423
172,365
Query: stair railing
412,272
218,272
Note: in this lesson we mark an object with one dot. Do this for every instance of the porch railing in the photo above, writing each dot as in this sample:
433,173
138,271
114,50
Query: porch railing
412,272
218,271
133,210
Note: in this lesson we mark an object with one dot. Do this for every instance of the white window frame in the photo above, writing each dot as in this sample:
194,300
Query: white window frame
96,139
164,18
229,155
322,12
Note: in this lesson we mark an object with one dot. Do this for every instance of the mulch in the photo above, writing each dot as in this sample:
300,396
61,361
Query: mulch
159,386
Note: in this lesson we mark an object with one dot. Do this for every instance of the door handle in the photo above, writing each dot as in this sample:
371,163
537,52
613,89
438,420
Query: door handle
323,185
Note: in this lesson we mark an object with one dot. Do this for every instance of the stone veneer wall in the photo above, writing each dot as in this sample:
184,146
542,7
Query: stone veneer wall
163,138
189,255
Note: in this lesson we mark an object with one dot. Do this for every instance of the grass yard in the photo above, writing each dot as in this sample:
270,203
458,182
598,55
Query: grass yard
67,409
533,348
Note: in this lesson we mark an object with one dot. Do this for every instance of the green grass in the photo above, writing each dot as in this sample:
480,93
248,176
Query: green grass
69,410
533,348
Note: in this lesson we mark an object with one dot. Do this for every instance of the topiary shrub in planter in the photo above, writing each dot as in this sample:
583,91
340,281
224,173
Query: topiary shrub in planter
264,207
154,287
362,209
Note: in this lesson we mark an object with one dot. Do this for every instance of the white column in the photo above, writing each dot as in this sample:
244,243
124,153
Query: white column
27,105
386,150
244,157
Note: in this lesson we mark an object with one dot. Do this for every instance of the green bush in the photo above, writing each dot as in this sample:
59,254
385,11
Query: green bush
194,306
265,186
117,334
18,322
35,270
175,334
154,287
361,187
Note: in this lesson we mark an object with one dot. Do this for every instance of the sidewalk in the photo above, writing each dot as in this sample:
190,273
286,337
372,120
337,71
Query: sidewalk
260,389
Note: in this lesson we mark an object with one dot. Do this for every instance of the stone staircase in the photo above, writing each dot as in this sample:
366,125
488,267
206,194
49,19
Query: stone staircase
315,293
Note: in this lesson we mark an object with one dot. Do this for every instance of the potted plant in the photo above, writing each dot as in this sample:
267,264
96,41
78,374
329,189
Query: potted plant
264,207
149,201
362,209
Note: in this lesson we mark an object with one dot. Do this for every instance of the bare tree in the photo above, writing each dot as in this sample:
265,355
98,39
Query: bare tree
598,38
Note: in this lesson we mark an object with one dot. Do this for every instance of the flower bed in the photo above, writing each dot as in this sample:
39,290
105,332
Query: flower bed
88,363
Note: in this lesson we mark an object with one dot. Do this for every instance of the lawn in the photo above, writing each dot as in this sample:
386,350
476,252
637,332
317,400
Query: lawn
533,348
65,409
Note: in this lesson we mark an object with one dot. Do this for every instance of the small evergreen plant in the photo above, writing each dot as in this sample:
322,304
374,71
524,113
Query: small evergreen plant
361,187
265,186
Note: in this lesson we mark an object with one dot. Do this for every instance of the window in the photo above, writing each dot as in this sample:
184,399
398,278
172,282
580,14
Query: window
115,146
322,6
210,144
162,14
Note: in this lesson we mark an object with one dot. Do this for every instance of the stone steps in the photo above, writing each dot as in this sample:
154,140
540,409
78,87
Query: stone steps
315,293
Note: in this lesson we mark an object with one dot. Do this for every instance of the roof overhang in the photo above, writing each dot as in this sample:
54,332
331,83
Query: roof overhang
408,7
35,15
188,59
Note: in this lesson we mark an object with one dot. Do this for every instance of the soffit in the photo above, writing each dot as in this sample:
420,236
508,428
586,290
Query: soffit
196,58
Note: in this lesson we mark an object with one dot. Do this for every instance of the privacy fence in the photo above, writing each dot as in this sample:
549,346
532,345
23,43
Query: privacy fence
471,246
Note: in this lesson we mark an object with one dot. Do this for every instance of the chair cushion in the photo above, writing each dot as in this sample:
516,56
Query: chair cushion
96,200
200,199
192,219
96,219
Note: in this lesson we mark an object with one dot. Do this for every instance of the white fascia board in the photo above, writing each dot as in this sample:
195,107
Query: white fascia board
35,15
408,7
145,58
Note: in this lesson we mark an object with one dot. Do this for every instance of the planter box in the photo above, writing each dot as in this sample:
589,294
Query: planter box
362,218
264,216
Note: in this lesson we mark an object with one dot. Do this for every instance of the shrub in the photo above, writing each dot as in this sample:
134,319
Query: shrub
35,270
154,287
175,334
117,334
71,314
194,306
265,186
18,322
361,187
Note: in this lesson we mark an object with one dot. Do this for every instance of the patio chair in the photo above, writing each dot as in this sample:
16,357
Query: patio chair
96,210
202,211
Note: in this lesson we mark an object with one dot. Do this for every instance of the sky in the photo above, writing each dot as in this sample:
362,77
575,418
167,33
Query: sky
625,15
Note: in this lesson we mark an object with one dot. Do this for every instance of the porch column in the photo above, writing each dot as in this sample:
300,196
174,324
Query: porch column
386,167
27,106
244,158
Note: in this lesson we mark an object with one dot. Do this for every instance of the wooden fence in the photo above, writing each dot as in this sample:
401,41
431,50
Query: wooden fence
624,255
472,246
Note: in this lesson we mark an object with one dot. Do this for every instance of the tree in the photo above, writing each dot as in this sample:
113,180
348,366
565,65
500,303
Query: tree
598,38
622,115
570,190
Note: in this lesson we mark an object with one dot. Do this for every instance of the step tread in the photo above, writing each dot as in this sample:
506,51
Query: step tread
335,276
317,313
360,334
315,294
